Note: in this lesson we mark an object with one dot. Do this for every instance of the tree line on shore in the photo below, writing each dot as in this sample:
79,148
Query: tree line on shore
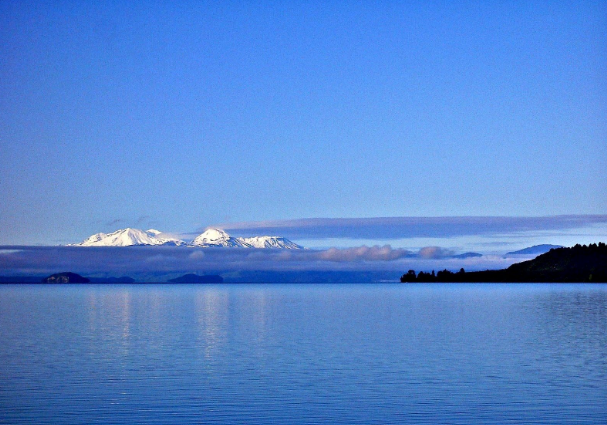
580,263
441,276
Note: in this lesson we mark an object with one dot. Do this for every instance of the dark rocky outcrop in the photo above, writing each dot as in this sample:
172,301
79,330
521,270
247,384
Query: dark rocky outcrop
66,277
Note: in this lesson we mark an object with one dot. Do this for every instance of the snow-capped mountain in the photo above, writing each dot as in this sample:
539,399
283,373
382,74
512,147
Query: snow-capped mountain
211,237
269,242
216,237
129,237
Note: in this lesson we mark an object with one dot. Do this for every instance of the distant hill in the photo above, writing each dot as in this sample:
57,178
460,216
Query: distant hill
468,255
65,277
122,279
194,278
580,263
534,250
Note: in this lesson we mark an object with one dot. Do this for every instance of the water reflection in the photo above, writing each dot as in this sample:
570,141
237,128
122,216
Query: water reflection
259,314
110,317
212,318
304,354
572,327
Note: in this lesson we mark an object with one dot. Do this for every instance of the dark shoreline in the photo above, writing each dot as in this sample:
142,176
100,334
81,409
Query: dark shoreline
578,264
395,282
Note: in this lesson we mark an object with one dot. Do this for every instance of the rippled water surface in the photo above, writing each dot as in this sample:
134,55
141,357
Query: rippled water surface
295,354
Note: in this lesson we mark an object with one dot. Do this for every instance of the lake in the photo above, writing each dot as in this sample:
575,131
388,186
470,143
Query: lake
302,354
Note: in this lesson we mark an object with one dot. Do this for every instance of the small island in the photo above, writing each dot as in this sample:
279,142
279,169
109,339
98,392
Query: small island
65,277
577,264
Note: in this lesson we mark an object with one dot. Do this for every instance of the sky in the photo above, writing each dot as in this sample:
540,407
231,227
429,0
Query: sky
188,115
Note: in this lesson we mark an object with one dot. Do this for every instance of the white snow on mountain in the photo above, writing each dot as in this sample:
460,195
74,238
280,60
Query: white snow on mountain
270,242
130,237
216,237
211,237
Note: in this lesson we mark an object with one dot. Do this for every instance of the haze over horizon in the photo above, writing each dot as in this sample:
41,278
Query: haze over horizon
319,121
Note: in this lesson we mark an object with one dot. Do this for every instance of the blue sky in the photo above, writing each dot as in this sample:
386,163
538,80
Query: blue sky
116,114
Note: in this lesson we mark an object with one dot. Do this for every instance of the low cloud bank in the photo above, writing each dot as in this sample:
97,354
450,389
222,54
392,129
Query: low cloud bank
140,260
434,252
363,253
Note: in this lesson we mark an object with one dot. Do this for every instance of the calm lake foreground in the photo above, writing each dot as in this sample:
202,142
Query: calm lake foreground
300,354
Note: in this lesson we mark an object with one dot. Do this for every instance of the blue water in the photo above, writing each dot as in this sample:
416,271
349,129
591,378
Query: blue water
300,354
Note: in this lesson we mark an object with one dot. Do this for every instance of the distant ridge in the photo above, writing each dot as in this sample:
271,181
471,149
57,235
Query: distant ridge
534,250
122,279
468,255
194,278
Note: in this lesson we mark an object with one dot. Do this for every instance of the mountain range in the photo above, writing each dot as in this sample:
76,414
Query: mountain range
211,237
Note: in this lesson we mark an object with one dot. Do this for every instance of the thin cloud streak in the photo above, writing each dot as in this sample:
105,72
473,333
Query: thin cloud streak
114,222
143,219
387,228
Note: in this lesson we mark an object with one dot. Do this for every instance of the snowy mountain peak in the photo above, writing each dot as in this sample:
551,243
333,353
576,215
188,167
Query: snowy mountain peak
270,242
129,237
212,237
215,237
214,233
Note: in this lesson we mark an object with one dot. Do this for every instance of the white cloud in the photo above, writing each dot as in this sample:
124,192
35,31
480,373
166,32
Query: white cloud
363,253
434,252
196,255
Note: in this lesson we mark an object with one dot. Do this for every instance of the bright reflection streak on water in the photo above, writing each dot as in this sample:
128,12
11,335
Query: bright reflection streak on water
483,354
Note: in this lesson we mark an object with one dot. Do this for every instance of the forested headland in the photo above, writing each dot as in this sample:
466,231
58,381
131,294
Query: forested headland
580,263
